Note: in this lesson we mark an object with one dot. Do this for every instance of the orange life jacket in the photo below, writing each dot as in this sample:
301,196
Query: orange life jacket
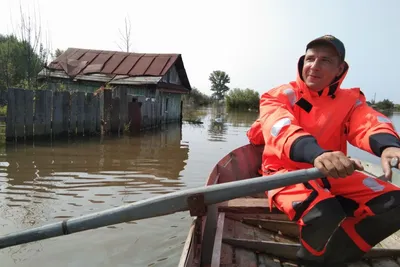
332,116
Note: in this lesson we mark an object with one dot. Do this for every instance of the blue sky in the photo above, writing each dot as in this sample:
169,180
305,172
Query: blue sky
257,42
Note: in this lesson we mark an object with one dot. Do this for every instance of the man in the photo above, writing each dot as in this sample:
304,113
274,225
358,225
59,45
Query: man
307,123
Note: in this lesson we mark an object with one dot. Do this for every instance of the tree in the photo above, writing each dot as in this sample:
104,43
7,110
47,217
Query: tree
385,104
243,99
35,52
19,63
23,54
219,80
125,36
57,53
196,98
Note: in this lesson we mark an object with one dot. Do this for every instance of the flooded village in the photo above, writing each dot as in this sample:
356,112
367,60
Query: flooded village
84,129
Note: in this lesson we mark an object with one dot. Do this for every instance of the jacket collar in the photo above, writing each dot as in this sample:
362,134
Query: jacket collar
328,91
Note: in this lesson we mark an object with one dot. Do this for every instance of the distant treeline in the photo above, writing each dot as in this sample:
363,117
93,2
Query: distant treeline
239,99
385,105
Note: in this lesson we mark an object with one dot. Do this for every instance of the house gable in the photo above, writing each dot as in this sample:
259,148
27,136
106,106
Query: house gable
172,76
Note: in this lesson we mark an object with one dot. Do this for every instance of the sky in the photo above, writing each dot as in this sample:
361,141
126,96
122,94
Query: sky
256,42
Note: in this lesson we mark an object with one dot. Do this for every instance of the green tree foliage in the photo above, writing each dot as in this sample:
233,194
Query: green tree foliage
385,104
196,98
243,99
23,53
219,80
19,63
57,53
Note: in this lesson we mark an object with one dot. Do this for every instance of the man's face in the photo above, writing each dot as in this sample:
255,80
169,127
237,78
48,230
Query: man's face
321,66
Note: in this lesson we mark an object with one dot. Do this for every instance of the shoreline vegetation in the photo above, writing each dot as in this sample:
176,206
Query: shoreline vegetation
248,99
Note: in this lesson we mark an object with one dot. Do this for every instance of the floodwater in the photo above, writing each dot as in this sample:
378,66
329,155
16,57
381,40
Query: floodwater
50,182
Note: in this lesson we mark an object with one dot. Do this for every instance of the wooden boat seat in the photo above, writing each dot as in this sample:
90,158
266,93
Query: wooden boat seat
247,205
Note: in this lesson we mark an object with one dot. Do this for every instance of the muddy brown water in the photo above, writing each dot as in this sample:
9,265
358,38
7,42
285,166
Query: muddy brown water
50,182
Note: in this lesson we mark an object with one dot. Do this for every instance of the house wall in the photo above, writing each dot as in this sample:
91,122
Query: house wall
87,87
170,106
135,91
172,76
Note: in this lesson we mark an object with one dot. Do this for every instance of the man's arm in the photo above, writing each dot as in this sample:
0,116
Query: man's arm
370,130
281,131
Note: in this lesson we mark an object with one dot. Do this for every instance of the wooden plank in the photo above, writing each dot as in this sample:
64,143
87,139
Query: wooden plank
289,250
247,205
154,114
48,98
216,255
392,241
66,107
226,249
97,114
256,234
284,227
265,261
87,109
123,98
115,121
210,226
134,117
73,114
145,114
289,264
43,108
80,118
107,107
57,121
267,216
40,113
29,114
359,264
188,250
10,128
243,256
19,120
93,115
383,263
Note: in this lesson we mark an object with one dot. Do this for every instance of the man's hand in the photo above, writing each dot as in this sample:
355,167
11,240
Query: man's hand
387,155
336,164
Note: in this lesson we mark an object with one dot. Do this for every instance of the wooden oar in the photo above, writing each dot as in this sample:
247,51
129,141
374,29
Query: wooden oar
160,205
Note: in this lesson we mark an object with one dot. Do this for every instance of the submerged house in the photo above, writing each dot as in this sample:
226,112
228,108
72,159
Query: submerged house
159,78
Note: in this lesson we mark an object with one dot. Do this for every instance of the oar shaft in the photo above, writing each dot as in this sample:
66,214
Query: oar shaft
161,205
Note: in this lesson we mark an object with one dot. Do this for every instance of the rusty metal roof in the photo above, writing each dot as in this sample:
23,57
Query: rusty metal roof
77,62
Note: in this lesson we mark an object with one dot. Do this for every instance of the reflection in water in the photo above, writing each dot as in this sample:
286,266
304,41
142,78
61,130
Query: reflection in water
241,119
236,121
217,131
37,181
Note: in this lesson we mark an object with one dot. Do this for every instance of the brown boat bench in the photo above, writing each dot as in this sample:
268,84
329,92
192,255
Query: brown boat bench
237,205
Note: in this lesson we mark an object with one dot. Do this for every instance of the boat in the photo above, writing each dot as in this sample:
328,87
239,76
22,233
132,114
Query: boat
244,232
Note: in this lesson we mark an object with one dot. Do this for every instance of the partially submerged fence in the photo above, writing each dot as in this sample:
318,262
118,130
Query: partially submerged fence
57,114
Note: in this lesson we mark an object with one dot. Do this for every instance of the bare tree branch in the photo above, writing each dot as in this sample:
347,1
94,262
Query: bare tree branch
125,36
36,51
